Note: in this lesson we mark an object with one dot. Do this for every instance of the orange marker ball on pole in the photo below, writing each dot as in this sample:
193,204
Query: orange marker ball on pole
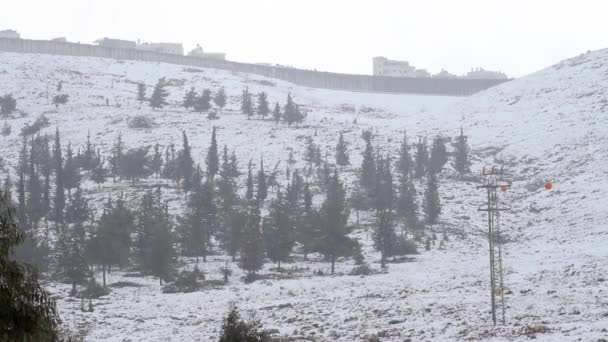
548,185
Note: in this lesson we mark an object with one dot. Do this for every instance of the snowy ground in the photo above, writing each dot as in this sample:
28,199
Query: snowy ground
550,125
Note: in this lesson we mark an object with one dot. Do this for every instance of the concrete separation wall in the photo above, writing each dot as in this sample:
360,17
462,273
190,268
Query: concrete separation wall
309,78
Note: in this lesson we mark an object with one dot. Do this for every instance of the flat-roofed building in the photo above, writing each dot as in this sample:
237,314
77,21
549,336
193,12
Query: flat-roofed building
198,52
171,48
11,34
116,43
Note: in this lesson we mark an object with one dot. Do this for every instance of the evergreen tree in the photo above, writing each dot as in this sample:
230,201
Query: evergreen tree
384,193
117,156
220,98
405,165
154,242
439,155
246,103
250,190
334,216
28,311
141,92
135,163
193,226
252,250
59,199
289,111
234,329
406,204
35,190
384,235
99,174
6,130
203,102
342,157
78,208
262,185
276,112
431,203
189,99
279,231
263,108
307,225
422,158
462,159
8,104
156,163
212,156
186,164
368,164
71,174
87,160
159,94
71,258
112,239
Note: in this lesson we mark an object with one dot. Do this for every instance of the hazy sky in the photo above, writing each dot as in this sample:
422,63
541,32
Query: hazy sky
514,36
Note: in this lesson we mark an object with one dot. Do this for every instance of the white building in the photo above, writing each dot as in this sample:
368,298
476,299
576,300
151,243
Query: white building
198,52
480,73
172,48
387,67
116,43
444,74
12,34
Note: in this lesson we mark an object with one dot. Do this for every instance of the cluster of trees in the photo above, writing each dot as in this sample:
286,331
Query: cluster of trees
220,211
290,113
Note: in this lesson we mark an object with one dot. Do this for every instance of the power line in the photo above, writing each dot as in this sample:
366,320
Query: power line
493,180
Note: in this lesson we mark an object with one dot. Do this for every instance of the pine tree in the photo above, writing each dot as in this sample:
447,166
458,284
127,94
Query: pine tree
234,329
156,163
307,225
189,99
263,108
99,174
159,94
289,110
71,258
405,165
8,104
87,160
276,112
212,156
342,157
71,174
154,242
135,164
141,92
368,164
111,242
246,103
262,192
462,159
252,250
422,158
431,203
439,155
6,130
193,226
334,216
28,311
78,208
60,99
384,235
35,207
117,156
220,98
279,231
203,102
406,204
59,199
186,164
249,193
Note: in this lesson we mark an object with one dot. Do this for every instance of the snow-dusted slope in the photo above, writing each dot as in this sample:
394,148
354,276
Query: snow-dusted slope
550,125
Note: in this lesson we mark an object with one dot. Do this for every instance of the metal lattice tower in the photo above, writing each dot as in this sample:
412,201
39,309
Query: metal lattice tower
493,180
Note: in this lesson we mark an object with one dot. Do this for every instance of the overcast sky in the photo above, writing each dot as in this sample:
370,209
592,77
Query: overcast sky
515,36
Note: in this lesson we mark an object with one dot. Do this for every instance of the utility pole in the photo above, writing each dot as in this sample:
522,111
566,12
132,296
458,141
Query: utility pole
493,180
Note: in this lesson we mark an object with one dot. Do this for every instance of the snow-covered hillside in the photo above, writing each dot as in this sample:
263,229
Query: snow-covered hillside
550,125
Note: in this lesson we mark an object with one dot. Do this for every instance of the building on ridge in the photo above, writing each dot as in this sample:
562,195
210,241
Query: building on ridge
198,52
11,34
